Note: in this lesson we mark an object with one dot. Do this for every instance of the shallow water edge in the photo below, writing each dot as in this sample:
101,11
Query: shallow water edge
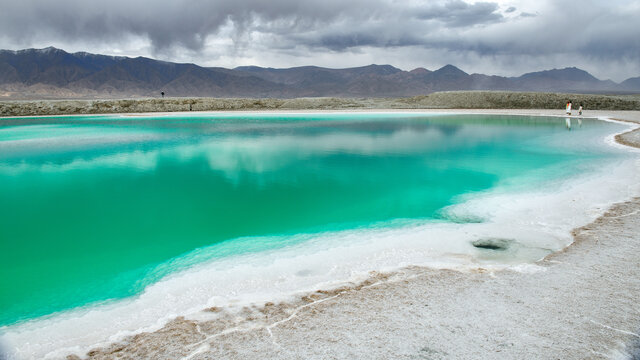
420,299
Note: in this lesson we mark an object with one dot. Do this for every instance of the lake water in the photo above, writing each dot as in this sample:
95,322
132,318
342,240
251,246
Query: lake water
187,211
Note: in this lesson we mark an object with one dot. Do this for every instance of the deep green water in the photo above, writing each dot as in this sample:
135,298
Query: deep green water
91,207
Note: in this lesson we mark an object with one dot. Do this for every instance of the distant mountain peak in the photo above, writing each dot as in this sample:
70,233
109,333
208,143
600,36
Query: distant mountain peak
84,54
449,70
632,84
383,66
420,71
375,69
45,51
568,73
48,49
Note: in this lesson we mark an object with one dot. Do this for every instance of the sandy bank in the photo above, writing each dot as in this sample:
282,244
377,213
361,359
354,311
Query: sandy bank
581,303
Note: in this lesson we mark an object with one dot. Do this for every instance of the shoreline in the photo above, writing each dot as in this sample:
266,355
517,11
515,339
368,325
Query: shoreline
467,100
493,322
270,328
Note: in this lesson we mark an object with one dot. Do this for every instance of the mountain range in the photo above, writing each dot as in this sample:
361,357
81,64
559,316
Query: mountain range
54,73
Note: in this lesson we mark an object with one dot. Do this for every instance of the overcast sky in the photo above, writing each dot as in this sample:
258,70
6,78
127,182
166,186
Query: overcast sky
501,37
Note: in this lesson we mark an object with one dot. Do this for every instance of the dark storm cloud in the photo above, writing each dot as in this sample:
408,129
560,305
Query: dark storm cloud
397,26
185,23
459,13
341,41
540,30
188,23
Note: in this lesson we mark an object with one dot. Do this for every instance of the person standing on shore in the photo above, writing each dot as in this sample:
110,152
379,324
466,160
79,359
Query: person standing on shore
580,113
569,107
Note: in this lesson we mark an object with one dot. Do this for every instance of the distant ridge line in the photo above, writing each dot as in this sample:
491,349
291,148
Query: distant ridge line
55,73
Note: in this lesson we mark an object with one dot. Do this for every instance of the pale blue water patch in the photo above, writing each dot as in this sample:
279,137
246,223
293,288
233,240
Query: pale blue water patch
98,208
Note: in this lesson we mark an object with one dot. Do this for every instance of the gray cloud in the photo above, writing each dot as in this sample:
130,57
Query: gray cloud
281,33
187,23
459,13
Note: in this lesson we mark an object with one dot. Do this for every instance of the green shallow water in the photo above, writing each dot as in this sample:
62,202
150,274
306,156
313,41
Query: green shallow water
94,207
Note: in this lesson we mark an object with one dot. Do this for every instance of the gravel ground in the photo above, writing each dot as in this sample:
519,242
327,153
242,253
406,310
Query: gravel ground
581,303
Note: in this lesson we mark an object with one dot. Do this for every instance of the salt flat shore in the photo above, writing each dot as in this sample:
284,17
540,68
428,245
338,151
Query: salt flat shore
580,303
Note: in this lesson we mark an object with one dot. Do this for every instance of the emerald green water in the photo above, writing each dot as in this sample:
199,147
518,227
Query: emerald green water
92,207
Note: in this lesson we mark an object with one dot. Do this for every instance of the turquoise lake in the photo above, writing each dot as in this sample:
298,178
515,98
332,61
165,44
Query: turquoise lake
96,208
